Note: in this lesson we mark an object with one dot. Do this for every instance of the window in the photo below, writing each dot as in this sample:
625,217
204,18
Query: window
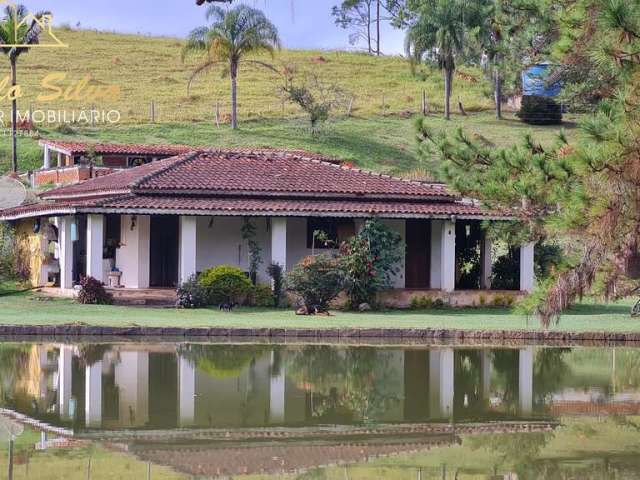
337,230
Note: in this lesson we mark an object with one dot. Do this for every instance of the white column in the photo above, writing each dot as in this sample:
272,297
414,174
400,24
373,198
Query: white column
95,246
485,372
93,395
59,159
279,241
527,276
47,157
277,392
441,382
65,246
525,380
186,392
435,275
485,262
65,358
448,256
188,226
132,380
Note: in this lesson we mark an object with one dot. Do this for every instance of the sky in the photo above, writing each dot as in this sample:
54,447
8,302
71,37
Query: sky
301,23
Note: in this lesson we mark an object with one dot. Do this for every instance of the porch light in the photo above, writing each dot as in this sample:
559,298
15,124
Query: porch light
134,220
211,222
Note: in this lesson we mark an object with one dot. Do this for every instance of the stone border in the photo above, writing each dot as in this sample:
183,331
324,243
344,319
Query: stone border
355,335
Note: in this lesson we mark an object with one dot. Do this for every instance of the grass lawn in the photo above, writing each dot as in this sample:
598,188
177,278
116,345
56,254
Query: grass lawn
28,309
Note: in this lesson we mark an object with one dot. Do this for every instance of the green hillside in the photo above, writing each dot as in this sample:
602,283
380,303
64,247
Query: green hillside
149,69
146,69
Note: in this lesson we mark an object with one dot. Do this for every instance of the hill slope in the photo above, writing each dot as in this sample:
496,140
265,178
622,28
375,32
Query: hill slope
150,69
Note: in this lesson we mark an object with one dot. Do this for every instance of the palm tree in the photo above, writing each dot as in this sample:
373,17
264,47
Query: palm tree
18,27
232,35
438,31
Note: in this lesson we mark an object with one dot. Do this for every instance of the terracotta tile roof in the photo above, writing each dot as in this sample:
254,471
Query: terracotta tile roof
78,148
275,206
221,206
280,458
258,173
117,182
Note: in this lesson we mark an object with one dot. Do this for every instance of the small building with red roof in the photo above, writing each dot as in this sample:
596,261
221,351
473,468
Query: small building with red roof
180,210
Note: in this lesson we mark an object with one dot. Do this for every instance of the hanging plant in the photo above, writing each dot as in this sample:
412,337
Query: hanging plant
248,231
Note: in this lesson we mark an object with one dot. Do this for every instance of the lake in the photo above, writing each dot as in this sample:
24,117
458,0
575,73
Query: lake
318,411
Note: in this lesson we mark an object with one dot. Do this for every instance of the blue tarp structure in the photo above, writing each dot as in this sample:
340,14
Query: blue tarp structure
534,81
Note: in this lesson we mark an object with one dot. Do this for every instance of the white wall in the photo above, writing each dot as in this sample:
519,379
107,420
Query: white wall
222,243
132,258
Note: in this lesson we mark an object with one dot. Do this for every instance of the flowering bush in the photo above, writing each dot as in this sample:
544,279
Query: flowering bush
92,292
318,280
369,260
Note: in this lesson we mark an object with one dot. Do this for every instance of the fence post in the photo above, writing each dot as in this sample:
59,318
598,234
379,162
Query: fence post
425,107
383,105
153,111
350,106
218,113
93,118
89,469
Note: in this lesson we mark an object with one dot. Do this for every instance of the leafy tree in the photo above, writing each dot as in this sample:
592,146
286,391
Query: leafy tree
512,34
316,97
17,28
369,260
438,32
584,193
232,36
357,16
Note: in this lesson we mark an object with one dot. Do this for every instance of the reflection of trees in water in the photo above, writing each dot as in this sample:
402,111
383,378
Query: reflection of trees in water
229,361
14,367
468,382
90,354
356,383
550,369
222,361
506,371
627,368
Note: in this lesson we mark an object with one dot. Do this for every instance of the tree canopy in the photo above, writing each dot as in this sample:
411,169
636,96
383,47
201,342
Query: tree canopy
586,193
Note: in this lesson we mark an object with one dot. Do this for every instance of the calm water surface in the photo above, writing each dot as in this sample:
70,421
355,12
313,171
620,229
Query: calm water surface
185,411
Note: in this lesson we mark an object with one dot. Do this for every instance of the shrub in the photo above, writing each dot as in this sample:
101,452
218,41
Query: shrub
261,296
369,260
191,294
92,292
225,284
318,280
274,270
421,303
537,110
7,252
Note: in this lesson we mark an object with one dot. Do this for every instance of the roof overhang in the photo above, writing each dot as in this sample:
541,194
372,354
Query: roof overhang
54,211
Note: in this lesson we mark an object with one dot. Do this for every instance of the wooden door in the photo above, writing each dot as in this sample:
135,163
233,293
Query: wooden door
418,241
164,244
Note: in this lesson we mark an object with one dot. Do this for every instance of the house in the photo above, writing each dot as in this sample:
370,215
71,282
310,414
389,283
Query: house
73,162
158,223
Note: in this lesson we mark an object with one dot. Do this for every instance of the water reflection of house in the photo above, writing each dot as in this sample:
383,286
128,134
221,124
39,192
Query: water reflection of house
164,387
